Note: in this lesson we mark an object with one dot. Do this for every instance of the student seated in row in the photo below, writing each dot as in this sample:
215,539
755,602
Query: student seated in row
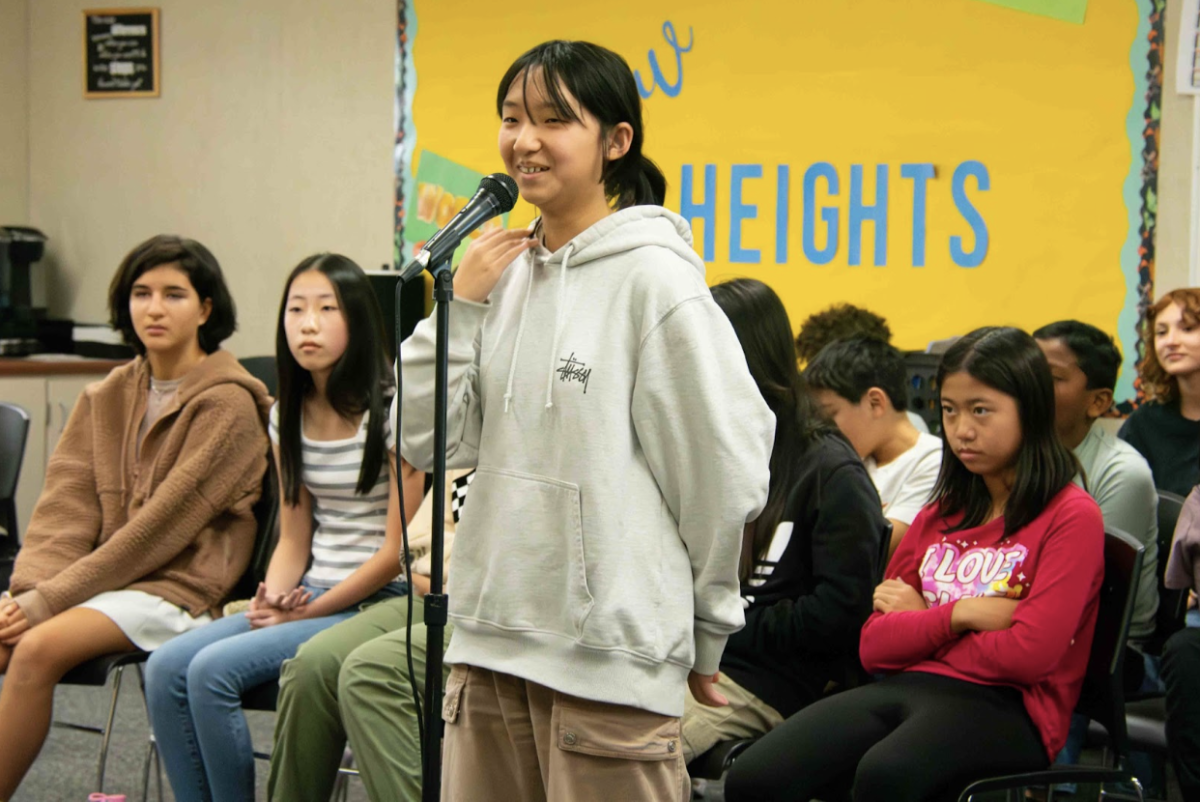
339,532
1084,363
1166,428
1181,656
984,625
860,384
351,682
808,562
146,519
844,322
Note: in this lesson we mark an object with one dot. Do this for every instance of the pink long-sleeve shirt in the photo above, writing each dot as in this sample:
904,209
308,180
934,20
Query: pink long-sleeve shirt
1054,566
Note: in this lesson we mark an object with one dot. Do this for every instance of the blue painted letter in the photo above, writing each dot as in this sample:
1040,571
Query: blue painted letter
670,90
739,211
828,213
877,213
919,173
782,212
970,214
707,211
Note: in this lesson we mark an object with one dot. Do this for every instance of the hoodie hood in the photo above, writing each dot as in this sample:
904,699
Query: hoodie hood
219,367
619,233
626,230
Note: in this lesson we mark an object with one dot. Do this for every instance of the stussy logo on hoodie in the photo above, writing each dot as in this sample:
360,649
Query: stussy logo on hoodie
573,370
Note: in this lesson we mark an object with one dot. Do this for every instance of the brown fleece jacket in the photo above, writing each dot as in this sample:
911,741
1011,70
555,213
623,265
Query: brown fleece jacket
175,520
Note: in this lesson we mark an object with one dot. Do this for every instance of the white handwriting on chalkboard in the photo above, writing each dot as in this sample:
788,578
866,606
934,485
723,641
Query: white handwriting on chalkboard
128,30
127,84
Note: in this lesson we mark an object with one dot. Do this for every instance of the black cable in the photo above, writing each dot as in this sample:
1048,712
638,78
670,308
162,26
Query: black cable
412,674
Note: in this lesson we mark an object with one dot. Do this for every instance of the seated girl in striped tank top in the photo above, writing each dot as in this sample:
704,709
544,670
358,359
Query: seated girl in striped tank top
339,542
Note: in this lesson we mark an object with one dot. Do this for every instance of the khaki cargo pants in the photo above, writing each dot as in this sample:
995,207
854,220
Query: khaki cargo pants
512,740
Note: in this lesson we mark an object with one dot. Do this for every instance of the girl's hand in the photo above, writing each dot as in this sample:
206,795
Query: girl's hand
13,624
896,595
982,614
704,691
486,260
270,616
265,600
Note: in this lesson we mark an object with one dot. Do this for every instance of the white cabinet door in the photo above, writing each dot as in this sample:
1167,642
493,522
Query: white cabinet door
30,394
61,394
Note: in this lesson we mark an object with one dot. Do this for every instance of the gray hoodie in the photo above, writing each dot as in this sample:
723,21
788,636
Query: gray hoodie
621,447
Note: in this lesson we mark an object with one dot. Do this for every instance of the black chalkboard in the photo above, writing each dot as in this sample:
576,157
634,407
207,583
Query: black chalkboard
120,53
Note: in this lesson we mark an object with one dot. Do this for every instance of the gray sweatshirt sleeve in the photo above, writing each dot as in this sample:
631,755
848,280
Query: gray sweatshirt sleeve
464,416
707,435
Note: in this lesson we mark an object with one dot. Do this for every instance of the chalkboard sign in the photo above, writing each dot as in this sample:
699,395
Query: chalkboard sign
120,53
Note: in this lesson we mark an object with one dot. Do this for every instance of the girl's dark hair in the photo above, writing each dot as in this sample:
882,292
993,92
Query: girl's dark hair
1008,360
600,80
202,271
762,327
361,381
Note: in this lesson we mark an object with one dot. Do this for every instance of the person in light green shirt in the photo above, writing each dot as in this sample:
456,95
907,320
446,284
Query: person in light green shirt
1084,363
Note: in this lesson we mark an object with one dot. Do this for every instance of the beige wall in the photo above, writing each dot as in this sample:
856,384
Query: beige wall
14,112
272,139
1175,168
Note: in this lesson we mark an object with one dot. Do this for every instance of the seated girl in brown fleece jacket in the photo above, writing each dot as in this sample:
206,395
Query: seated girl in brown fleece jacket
145,522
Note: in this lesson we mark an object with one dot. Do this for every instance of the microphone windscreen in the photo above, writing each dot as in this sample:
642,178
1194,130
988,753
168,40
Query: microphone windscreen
502,188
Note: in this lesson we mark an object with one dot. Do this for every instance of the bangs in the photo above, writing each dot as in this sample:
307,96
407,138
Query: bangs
547,67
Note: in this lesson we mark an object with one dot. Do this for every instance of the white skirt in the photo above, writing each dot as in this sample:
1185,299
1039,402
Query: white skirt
147,620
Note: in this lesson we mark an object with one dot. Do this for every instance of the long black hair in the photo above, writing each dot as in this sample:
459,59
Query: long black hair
603,84
762,327
1010,361
361,381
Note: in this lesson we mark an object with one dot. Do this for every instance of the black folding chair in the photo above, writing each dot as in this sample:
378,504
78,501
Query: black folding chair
14,431
1103,696
264,369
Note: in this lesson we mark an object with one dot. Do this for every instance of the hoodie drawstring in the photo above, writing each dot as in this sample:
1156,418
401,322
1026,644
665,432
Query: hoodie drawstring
512,367
558,323
558,318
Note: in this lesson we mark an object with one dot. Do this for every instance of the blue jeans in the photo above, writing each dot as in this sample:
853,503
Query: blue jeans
194,687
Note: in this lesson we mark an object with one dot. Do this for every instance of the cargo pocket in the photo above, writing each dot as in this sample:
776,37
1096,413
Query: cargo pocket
452,702
615,731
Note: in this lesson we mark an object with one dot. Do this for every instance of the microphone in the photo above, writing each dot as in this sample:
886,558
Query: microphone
496,195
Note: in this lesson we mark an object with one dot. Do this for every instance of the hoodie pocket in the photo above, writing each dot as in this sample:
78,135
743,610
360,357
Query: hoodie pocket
518,554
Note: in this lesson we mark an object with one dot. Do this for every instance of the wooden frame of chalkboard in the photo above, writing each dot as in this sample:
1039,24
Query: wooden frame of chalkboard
121,53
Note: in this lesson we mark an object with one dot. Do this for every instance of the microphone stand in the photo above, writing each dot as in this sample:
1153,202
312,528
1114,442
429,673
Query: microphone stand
436,600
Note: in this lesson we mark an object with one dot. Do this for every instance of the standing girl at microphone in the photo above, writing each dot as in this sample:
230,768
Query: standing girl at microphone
339,531
621,447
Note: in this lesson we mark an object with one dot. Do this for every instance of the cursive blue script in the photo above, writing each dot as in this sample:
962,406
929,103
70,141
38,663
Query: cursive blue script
671,90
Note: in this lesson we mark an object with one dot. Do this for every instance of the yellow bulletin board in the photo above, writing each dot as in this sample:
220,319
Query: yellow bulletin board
945,163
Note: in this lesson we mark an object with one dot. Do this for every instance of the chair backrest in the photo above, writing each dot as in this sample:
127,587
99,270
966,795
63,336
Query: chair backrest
1103,695
881,559
263,368
1172,604
266,514
14,432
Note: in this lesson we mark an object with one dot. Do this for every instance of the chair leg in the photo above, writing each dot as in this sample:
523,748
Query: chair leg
151,747
106,736
341,786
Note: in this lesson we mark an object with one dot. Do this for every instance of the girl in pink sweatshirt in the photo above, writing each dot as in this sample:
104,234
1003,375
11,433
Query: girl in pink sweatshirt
984,622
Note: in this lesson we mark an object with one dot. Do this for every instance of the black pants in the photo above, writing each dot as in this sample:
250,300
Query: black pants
1181,673
911,736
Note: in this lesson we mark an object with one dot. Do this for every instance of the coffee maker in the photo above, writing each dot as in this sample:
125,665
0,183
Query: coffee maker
20,322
